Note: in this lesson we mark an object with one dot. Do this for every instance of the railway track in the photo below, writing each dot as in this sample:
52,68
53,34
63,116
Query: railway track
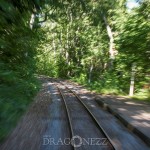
83,124
69,117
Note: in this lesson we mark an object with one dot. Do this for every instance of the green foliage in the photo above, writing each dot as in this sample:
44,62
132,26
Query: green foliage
82,79
75,43
18,43
70,39
108,83
14,100
133,45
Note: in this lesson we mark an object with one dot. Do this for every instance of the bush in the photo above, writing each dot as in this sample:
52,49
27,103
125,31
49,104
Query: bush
14,99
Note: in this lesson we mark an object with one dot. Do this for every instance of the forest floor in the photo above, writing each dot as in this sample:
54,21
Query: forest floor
46,116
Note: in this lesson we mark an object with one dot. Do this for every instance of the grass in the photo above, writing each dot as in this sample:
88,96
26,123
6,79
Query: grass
113,89
101,87
141,99
102,90
142,95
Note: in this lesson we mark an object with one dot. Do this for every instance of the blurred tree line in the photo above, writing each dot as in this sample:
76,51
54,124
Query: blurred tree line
18,42
92,42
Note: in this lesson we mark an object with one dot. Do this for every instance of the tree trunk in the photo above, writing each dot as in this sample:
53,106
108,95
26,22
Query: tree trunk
131,91
111,42
61,44
54,47
67,46
32,20
70,19
90,72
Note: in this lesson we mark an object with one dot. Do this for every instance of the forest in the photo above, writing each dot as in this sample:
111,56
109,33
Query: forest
101,44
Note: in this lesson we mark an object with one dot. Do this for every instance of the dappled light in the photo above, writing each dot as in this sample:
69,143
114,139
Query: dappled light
132,103
92,48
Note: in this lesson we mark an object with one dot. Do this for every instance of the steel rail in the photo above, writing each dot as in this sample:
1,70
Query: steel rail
68,115
93,117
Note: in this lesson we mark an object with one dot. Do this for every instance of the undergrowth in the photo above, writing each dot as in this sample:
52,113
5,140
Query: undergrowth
14,100
112,86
